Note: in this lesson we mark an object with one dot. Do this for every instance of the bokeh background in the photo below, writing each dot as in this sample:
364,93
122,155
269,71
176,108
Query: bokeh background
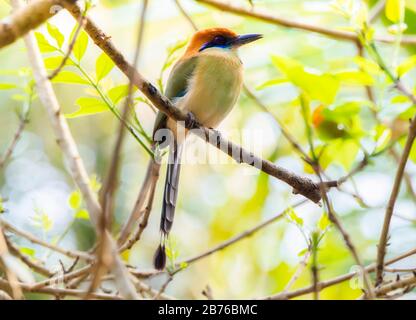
216,200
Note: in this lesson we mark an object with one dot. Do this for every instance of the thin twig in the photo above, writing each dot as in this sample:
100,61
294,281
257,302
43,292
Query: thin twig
328,283
186,15
290,23
240,236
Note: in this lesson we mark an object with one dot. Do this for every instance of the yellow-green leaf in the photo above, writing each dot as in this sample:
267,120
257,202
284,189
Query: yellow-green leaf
103,66
395,10
52,63
7,86
119,92
81,43
353,77
27,251
294,217
82,214
272,82
125,255
406,65
367,65
69,77
317,86
88,106
75,200
56,34
43,43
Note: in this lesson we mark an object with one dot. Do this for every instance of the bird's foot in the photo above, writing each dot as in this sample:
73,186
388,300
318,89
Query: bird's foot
191,122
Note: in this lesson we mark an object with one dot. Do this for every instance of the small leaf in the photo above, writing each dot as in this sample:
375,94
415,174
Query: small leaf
52,63
7,86
56,34
69,77
27,251
82,214
95,183
395,10
367,65
303,252
43,43
294,217
103,66
81,43
125,255
406,65
272,82
382,137
354,77
75,200
323,222
88,106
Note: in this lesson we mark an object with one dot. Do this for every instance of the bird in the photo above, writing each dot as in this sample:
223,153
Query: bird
206,83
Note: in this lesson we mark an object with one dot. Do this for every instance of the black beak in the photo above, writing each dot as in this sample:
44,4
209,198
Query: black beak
245,38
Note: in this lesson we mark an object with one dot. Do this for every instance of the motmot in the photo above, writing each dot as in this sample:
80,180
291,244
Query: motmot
206,83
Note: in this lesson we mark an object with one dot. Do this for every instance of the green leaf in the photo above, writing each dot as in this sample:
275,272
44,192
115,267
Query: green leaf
7,86
69,77
294,217
323,87
354,77
56,34
42,220
367,65
303,252
395,10
82,214
271,82
323,222
27,251
340,151
103,66
52,63
43,43
81,44
88,106
406,66
75,200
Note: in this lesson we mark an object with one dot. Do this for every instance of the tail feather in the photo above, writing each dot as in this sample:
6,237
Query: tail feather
169,203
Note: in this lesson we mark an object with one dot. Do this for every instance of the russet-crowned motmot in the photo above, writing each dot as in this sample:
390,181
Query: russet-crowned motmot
205,82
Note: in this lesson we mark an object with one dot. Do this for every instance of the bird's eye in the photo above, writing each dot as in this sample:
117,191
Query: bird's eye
220,40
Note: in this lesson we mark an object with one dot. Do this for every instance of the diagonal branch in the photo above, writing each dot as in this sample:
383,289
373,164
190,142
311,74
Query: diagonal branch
301,185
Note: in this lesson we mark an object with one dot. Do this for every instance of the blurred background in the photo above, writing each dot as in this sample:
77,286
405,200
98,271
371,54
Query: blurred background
216,200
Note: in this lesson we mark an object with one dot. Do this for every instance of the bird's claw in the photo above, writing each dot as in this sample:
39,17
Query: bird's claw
191,122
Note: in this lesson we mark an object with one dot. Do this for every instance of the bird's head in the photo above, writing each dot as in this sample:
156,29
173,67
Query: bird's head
218,38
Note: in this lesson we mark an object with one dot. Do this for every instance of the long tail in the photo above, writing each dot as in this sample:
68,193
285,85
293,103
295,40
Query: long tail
169,203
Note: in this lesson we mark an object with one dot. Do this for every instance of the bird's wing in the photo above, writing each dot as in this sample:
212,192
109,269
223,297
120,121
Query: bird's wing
176,86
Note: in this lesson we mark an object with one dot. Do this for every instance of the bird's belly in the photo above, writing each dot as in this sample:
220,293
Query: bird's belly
214,90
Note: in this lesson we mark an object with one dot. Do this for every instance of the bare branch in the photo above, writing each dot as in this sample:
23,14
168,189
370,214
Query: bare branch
281,21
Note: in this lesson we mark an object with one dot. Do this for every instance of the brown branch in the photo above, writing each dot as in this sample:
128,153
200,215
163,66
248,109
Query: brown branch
328,283
58,291
289,23
33,265
148,190
381,252
33,239
405,284
7,154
